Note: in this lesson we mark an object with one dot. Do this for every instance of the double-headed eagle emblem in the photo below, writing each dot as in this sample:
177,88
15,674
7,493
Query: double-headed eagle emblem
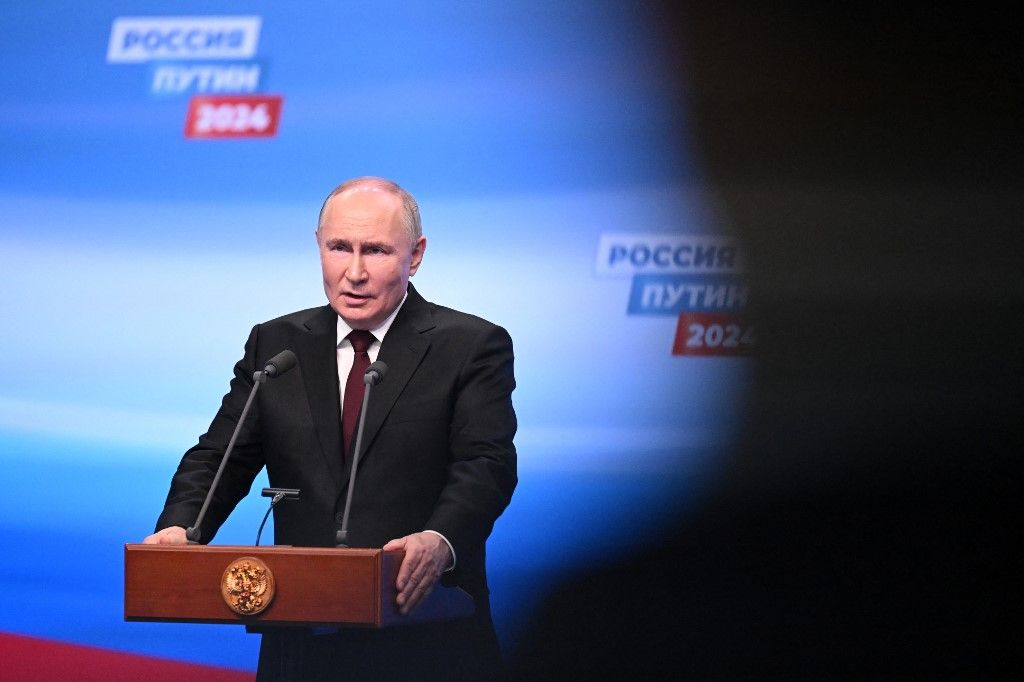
247,586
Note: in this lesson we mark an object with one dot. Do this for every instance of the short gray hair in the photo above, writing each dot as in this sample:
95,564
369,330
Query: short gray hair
410,208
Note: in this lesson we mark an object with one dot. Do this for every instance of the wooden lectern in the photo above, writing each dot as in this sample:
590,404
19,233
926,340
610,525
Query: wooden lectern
292,586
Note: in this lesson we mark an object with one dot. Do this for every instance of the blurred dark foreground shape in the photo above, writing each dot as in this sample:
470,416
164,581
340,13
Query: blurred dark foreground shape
866,526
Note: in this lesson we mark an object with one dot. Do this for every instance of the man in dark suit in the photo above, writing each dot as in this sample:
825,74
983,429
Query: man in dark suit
438,462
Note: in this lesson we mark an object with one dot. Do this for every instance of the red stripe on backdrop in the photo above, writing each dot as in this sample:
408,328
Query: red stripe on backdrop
31,658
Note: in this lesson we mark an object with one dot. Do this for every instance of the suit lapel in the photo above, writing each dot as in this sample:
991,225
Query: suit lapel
402,350
319,363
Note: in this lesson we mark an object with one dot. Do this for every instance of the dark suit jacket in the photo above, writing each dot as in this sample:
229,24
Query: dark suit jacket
438,450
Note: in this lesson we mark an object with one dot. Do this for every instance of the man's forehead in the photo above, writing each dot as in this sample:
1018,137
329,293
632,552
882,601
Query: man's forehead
367,203
363,218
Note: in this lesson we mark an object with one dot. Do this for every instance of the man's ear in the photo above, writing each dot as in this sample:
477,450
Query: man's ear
417,255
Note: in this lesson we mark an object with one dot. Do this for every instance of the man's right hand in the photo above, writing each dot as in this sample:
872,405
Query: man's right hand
172,535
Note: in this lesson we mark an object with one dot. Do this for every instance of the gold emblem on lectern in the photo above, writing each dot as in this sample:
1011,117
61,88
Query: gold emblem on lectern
247,586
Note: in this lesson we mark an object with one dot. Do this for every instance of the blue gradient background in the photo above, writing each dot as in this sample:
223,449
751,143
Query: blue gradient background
134,263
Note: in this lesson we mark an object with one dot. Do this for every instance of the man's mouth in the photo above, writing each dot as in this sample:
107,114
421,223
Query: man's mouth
353,297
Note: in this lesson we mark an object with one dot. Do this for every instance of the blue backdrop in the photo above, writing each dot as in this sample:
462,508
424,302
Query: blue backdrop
135,260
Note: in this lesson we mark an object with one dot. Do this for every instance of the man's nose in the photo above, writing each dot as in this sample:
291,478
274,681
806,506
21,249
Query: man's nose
355,272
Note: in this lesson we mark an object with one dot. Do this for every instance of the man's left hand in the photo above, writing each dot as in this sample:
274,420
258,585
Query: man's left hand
426,558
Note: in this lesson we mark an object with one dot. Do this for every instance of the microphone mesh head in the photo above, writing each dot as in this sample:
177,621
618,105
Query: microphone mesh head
375,373
280,363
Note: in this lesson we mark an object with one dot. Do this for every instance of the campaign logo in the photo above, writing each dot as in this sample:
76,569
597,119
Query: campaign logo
233,116
143,39
202,57
697,278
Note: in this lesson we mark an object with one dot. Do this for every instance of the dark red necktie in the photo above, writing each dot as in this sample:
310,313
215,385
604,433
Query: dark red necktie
354,387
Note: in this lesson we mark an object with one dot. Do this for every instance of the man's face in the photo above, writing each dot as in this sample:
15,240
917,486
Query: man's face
366,255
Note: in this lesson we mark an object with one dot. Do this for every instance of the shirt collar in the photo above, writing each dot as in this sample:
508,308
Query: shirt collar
379,331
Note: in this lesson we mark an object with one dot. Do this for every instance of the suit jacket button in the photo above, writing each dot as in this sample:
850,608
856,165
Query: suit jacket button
339,517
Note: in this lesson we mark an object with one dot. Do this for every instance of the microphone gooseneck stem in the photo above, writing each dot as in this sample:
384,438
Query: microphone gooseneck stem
343,533
193,533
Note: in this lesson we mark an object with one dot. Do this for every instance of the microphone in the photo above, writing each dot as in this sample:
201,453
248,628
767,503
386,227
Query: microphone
275,367
280,363
276,495
374,375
